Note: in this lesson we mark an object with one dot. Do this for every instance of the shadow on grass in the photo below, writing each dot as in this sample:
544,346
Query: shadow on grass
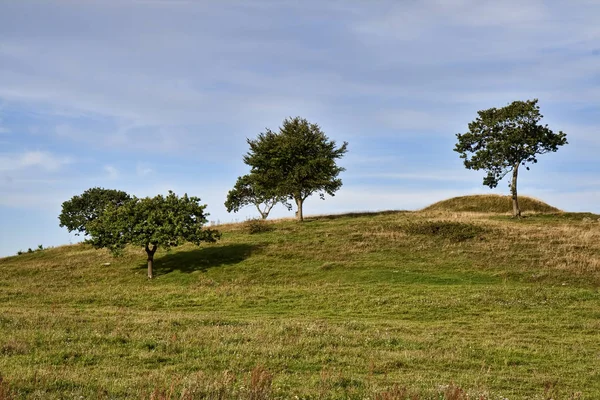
202,259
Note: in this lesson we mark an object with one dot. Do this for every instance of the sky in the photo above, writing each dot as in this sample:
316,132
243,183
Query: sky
148,96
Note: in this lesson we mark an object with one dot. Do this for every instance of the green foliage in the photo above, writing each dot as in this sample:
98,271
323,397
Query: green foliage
500,140
296,162
165,221
451,230
248,191
256,225
78,212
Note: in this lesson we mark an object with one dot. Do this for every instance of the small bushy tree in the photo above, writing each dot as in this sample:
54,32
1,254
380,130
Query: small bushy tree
296,162
247,191
502,139
166,221
80,210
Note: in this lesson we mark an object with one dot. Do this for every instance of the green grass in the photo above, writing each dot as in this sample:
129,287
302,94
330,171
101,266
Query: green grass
355,306
491,203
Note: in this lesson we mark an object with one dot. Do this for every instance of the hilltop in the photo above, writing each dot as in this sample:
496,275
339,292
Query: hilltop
385,305
491,203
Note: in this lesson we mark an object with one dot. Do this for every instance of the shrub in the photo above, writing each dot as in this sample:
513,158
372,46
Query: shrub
256,225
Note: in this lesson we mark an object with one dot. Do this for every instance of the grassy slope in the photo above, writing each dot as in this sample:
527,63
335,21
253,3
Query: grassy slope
332,308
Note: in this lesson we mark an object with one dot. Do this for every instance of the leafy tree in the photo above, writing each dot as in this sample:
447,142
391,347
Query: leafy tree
166,221
296,162
78,212
502,139
247,191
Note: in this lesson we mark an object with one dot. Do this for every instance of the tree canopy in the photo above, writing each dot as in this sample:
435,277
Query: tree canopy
166,221
502,139
296,162
247,191
80,210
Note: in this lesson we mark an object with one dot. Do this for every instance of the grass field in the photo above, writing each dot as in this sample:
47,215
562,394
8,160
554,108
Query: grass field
395,305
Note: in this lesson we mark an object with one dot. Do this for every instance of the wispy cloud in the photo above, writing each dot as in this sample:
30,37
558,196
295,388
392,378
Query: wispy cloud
442,176
33,159
172,89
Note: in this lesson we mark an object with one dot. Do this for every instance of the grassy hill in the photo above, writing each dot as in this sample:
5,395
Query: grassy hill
491,203
383,306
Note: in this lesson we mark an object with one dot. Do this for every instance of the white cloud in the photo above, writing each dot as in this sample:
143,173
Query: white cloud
442,176
118,81
32,159
486,13
142,89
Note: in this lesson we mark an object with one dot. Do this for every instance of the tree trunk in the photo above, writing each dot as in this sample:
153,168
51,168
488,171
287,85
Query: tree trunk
513,191
150,252
299,202
263,214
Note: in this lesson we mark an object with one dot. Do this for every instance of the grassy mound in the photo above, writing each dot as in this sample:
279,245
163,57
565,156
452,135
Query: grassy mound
490,203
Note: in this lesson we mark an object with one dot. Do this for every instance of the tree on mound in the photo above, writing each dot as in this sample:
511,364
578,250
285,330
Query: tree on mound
296,162
166,221
248,191
501,140
80,210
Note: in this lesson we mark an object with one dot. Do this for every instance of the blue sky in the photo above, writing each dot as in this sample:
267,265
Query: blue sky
151,95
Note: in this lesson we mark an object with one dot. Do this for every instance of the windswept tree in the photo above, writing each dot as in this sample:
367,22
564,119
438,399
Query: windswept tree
80,210
501,140
166,221
247,191
296,162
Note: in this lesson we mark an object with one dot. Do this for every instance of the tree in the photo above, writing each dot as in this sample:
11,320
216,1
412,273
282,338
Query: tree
501,140
247,191
166,221
296,162
78,212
